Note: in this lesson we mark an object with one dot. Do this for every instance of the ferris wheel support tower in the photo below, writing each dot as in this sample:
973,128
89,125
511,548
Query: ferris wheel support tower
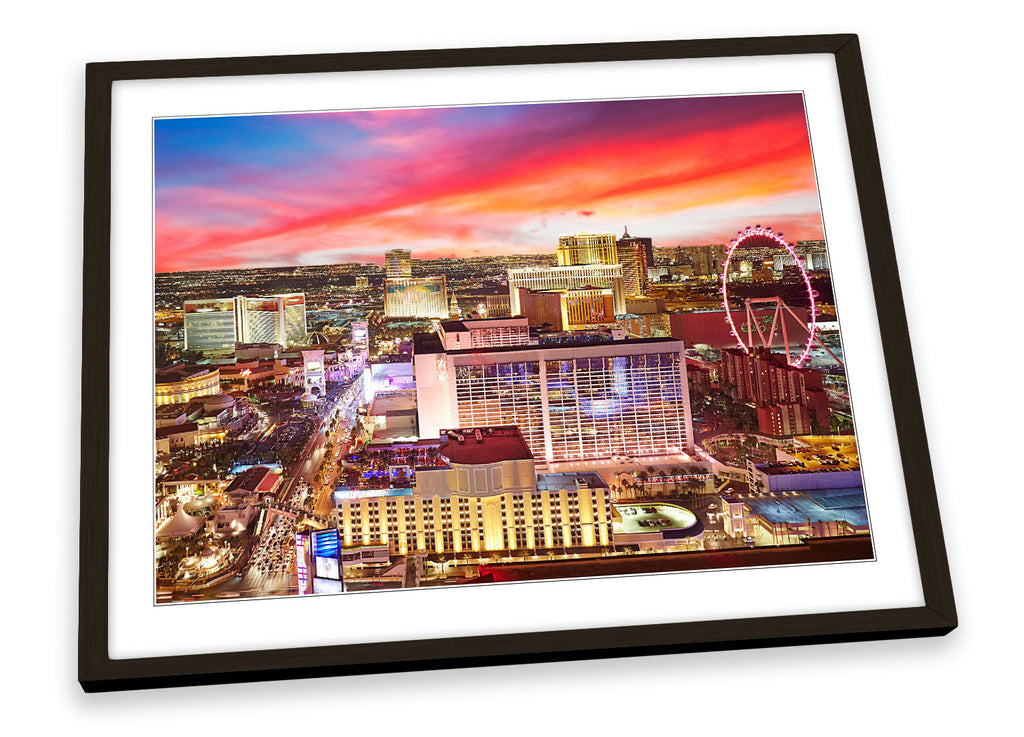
758,237
778,325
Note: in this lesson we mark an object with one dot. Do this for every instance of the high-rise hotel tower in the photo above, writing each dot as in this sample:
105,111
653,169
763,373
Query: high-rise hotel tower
424,297
215,325
586,248
398,263
570,401
541,279
636,255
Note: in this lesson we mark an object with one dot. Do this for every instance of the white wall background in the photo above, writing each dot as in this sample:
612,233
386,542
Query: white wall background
944,87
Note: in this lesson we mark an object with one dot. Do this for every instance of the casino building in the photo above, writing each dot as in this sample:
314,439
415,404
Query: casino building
423,297
184,383
215,325
572,401
484,333
586,248
636,279
540,279
487,498
398,263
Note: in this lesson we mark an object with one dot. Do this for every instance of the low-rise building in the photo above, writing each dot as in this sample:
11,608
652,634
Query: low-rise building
811,462
254,484
175,437
784,517
233,519
487,499
176,384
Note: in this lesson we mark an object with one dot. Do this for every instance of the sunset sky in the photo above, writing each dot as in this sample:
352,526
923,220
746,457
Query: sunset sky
321,188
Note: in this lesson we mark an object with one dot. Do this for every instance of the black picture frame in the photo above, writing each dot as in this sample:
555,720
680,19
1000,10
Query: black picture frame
98,672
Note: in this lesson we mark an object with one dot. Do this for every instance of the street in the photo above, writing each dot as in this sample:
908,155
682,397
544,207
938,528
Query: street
304,470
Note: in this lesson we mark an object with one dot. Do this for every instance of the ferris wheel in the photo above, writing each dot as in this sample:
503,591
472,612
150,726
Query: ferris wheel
766,319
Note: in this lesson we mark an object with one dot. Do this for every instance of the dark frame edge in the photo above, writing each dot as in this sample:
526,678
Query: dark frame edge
95,441
932,560
97,672
519,649
473,56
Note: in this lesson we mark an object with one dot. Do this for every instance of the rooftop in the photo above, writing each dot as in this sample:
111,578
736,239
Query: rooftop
652,517
168,411
790,468
473,446
169,430
388,402
427,343
798,507
261,479
393,436
570,481
451,326
815,454
173,374
398,357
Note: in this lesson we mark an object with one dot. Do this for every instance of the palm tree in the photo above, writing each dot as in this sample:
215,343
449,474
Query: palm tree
642,476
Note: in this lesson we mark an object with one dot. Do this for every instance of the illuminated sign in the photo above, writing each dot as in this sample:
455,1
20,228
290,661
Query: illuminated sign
213,305
327,586
326,543
327,568
262,305
403,288
301,549
344,493
275,467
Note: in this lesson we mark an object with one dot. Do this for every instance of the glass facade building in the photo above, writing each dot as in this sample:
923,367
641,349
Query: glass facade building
398,263
586,248
633,404
294,309
570,402
503,394
582,309
424,297
211,325
633,258
538,279
215,325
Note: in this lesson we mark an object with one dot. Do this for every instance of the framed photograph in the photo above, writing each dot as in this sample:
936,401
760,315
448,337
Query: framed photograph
428,359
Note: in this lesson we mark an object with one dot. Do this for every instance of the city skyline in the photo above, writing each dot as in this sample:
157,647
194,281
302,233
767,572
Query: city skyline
316,188
521,394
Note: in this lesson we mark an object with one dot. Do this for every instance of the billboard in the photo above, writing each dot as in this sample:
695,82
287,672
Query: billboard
209,305
326,545
433,287
301,556
327,586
